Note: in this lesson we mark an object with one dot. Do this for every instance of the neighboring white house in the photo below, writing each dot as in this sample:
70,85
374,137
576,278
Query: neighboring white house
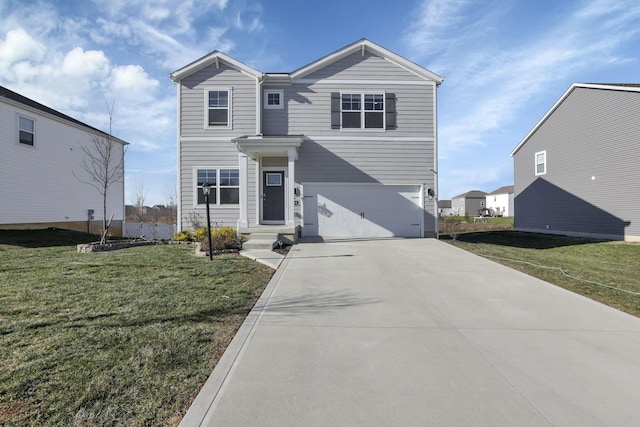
344,146
500,201
41,170
577,171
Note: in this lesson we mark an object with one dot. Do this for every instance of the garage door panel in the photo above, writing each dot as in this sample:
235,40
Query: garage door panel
362,211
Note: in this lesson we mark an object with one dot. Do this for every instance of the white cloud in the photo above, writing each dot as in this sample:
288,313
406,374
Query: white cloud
18,46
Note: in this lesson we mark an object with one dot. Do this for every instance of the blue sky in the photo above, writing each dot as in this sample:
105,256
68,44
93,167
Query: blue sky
505,63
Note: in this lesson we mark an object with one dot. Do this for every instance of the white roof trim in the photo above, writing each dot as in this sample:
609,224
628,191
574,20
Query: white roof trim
214,58
362,45
561,100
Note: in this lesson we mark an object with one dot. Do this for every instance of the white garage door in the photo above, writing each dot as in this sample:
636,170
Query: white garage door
334,210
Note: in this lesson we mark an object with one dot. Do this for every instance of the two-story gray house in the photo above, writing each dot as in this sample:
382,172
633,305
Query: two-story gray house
468,203
345,146
576,172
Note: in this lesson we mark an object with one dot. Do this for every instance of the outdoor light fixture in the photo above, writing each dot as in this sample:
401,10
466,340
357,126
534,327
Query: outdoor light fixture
206,189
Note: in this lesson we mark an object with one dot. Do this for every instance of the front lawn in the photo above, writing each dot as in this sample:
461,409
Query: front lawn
612,264
114,338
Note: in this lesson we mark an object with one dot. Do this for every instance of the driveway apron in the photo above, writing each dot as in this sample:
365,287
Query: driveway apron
416,332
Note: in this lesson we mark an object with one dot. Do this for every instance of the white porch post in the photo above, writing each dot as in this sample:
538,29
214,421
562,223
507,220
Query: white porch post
243,222
290,217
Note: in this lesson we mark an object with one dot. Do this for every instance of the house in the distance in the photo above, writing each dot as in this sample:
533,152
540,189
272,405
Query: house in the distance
444,207
41,170
468,203
344,146
576,172
500,201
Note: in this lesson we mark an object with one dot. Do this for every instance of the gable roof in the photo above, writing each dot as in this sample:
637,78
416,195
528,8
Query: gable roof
627,87
362,45
8,94
285,78
214,58
471,194
502,190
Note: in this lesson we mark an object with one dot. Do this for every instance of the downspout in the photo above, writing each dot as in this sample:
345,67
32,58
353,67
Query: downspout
178,169
435,161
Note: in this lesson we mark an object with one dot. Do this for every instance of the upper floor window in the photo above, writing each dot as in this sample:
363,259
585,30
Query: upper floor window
362,110
218,108
27,130
541,162
273,99
225,186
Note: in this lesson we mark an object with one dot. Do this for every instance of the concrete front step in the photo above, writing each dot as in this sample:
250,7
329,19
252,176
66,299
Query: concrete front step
261,241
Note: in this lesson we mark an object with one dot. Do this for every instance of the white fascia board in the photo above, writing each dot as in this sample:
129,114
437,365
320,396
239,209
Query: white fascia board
211,58
543,119
561,100
78,125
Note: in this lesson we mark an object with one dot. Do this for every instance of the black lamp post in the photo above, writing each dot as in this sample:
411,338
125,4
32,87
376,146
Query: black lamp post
206,189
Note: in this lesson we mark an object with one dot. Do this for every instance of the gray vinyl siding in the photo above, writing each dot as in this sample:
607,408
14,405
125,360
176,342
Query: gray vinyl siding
307,108
593,133
243,101
358,67
362,161
201,155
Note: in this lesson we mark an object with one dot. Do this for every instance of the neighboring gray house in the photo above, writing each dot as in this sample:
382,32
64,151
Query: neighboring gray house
468,203
444,207
577,172
500,201
344,146
41,169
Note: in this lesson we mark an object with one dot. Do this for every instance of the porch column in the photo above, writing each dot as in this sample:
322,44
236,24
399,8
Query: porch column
290,217
243,221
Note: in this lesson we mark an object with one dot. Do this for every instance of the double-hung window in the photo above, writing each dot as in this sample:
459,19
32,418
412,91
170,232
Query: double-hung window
225,186
362,110
541,162
218,102
26,130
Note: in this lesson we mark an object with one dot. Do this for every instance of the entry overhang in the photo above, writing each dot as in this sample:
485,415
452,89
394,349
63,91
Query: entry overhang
269,146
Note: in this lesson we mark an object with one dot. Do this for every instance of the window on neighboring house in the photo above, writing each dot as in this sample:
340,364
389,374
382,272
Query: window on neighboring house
218,108
274,99
541,162
26,130
225,186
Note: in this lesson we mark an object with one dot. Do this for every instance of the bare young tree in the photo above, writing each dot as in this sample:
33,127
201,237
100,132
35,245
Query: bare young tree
139,199
103,161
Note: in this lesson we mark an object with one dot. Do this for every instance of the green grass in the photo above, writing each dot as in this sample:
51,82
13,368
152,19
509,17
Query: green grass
615,264
115,338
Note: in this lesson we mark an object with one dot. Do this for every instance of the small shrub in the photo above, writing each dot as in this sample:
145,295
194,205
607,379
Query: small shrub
200,234
183,236
221,239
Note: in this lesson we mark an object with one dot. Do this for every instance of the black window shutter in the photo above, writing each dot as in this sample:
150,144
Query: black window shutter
390,104
335,110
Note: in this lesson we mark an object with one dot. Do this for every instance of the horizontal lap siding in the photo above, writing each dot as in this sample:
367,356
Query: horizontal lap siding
49,166
369,66
593,133
192,117
213,147
365,161
308,105
201,155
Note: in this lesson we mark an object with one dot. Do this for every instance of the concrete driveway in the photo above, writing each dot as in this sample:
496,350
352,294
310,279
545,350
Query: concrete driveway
406,332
